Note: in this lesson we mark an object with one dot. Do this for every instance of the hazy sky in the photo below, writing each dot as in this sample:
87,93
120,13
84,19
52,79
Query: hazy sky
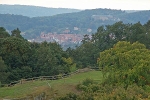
86,4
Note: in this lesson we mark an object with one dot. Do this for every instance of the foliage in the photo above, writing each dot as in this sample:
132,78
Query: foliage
16,33
3,33
68,65
86,56
123,63
24,59
70,96
85,84
15,51
126,64
133,92
87,53
96,91
3,71
49,58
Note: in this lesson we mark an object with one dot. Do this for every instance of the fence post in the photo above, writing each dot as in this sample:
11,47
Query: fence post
21,81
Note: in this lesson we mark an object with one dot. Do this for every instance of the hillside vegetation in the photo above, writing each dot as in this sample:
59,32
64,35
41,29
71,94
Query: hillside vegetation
83,22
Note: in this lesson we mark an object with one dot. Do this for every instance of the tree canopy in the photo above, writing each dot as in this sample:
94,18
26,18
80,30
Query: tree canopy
25,59
126,64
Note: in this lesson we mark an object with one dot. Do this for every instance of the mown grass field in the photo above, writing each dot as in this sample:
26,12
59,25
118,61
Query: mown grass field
50,87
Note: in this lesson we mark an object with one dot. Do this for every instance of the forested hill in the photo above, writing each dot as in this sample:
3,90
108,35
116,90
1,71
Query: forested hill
84,22
33,11
141,16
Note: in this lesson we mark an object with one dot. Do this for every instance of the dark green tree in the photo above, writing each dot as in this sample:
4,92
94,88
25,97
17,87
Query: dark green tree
16,33
3,71
85,55
15,53
3,33
107,36
48,59
147,34
137,33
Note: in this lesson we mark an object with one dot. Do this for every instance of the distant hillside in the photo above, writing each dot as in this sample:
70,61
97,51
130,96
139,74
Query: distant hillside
33,11
83,22
132,11
140,16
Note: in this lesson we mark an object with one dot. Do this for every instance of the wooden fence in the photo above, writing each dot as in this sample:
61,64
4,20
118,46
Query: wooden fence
42,96
55,77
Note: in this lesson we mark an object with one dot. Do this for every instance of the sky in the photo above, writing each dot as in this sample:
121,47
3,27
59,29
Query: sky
85,4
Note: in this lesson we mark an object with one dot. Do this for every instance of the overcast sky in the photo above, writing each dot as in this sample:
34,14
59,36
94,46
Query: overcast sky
85,4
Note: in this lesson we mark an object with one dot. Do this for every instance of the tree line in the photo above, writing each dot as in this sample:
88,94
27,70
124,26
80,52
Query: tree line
20,58
125,66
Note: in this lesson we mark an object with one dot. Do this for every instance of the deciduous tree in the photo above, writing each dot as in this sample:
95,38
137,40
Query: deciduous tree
126,64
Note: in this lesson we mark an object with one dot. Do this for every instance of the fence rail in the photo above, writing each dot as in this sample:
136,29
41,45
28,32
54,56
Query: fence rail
55,77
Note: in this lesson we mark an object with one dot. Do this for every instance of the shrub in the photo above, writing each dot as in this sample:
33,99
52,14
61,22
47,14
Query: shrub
70,96
88,81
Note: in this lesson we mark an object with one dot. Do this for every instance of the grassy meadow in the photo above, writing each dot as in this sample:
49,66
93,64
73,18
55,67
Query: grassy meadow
50,87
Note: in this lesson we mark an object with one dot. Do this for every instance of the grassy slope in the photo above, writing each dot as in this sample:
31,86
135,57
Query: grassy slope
51,88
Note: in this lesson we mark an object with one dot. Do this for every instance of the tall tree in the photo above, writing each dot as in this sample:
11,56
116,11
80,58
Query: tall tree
16,33
147,34
48,59
137,33
15,53
86,55
107,36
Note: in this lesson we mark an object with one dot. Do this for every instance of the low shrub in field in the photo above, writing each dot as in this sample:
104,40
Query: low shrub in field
85,85
70,96
133,92
109,92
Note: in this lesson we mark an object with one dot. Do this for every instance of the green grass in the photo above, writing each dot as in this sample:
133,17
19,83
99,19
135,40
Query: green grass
51,87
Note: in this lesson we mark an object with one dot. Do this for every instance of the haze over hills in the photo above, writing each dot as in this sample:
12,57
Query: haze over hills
33,11
78,23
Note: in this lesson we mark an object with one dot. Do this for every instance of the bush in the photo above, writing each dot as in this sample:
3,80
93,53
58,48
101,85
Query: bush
70,96
84,86
133,92
88,81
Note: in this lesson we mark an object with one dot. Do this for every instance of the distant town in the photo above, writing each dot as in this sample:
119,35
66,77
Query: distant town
66,38
62,38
